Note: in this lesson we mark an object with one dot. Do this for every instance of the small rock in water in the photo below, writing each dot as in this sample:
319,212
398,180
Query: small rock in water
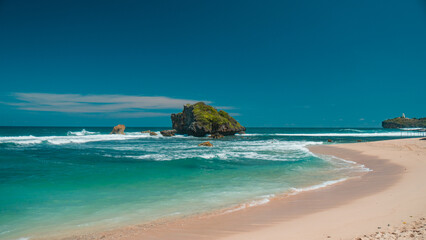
153,134
147,131
168,133
119,129
216,136
329,140
205,144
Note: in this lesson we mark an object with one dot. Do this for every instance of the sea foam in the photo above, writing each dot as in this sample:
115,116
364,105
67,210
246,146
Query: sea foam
331,134
317,186
59,140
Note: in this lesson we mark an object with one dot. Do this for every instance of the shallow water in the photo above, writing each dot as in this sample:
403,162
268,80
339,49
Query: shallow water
55,178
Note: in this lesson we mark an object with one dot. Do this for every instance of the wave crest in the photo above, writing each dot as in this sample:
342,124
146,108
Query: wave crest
81,133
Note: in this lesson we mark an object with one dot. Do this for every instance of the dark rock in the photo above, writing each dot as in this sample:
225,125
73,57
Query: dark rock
329,140
200,119
359,140
153,134
119,129
168,133
147,131
241,132
216,136
205,144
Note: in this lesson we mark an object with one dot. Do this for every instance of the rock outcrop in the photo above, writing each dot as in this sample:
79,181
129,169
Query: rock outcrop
150,133
119,129
201,119
403,122
205,144
168,133
216,136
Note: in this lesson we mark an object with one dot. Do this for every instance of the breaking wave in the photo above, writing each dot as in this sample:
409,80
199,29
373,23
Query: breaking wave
76,137
361,134
81,133
267,150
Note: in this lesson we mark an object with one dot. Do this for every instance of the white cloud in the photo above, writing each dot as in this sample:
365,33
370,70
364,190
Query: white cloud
119,105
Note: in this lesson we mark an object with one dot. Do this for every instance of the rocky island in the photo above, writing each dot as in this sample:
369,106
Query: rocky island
403,122
200,119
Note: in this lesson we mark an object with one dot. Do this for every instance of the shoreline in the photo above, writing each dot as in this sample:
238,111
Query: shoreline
355,202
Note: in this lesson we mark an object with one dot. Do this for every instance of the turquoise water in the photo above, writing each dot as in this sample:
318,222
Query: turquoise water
67,178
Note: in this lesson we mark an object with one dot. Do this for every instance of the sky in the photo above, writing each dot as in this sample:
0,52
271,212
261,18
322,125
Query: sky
304,63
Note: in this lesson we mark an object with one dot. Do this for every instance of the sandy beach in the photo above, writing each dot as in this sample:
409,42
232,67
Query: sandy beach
385,203
384,200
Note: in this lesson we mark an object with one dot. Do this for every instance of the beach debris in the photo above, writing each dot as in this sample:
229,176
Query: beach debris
153,134
216,136
168,133
411,230
147,131
329,140
119,129
205,144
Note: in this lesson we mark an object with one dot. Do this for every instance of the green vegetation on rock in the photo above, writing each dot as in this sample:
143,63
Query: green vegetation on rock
210,118
402,122
200,119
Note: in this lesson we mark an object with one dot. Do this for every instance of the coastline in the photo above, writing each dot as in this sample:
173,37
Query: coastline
344,210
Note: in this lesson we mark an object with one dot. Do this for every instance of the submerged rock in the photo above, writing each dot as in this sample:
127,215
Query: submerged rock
216,136
153,134
147,131
119,129
329,140
168,133
201,119
205,144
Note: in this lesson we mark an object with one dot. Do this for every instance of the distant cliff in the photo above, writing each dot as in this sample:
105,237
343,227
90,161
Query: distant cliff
403,122
201,119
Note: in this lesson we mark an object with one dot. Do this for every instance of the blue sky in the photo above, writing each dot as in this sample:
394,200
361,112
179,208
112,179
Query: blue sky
304,63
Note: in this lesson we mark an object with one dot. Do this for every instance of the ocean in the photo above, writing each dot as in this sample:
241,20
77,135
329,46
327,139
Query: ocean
75,179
